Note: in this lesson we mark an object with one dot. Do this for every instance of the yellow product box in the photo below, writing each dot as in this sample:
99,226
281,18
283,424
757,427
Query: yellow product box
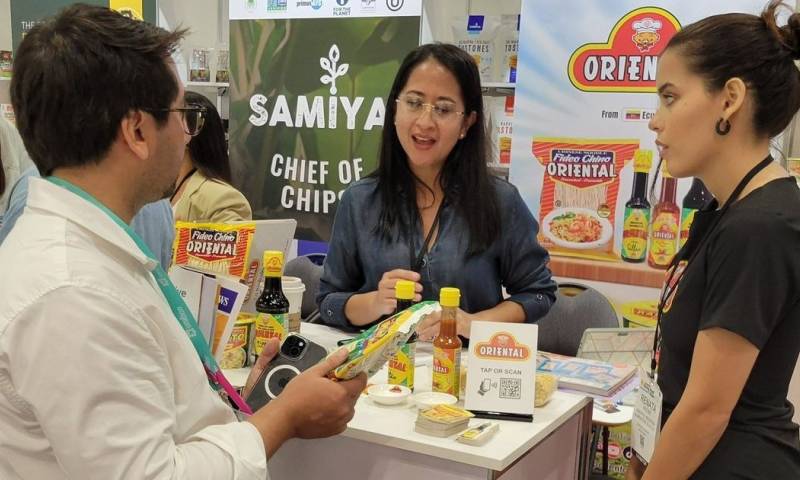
446,414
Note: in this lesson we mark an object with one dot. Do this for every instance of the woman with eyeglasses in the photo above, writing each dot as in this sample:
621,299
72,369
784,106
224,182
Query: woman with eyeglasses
431,213
203,191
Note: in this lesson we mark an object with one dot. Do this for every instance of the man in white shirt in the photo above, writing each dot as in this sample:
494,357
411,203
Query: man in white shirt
14,160
97,377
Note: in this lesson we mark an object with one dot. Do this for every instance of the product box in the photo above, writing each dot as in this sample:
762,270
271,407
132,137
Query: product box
619,451
5,64
200,65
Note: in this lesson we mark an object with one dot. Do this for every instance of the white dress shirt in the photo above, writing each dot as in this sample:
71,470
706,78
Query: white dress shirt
97,378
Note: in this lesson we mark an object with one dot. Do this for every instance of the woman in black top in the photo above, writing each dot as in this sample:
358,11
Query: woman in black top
731,309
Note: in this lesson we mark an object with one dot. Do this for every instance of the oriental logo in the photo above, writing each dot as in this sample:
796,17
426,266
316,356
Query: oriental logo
503,346
628,61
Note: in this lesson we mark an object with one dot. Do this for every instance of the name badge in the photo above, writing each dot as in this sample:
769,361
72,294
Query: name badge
646,424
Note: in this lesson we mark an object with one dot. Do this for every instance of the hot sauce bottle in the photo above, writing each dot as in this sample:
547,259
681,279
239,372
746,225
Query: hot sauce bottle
666,217
447,345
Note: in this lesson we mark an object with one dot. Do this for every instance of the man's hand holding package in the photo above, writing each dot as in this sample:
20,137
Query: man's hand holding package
311,405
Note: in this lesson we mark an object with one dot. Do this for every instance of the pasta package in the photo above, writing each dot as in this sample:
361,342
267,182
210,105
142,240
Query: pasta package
370,351
579,194
213,247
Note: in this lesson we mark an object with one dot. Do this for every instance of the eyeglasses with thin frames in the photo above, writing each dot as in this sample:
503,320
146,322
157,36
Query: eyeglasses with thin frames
192,116
441,111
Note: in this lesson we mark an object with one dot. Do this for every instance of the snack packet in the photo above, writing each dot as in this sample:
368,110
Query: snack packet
476,34
213,247
369,351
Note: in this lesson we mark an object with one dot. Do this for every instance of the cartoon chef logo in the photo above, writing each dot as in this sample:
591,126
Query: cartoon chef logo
628,60
646,36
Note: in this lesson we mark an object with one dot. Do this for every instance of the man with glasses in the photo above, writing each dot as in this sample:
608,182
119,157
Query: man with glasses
103,373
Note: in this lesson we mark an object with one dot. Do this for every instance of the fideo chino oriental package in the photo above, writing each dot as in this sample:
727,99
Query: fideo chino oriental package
213,247
369,351
579,194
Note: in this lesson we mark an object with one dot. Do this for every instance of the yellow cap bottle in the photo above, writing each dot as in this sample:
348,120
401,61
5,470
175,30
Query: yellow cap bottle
447,345
449,297
273,263
404,290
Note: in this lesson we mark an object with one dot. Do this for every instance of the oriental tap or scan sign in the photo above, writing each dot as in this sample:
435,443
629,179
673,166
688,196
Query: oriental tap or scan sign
628,60
502,369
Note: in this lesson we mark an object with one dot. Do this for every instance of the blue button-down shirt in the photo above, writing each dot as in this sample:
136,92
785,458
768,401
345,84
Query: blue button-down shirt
358,257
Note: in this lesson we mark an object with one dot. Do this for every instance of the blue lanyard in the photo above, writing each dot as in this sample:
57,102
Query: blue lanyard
175,301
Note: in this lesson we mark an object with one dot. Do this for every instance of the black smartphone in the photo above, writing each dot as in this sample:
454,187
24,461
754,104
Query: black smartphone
296,355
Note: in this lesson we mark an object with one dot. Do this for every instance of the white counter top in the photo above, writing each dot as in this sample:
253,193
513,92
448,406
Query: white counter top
393,426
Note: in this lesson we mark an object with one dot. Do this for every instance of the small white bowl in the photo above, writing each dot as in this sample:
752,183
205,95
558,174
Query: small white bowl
431,399
388,394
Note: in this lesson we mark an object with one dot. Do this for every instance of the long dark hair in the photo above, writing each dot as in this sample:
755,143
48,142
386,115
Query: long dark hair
207,149
464,179
754,49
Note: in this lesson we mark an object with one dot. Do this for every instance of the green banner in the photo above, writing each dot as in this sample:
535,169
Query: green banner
308,100
27,13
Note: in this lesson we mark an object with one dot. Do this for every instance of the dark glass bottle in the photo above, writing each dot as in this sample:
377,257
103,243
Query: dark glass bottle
697,198
636,224
272,306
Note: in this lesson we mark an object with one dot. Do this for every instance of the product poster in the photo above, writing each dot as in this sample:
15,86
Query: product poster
25,14
309,80
585,93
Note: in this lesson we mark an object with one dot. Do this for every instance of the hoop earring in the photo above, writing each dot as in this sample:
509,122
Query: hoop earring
723,127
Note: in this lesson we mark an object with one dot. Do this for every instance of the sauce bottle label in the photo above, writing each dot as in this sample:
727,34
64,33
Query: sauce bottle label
664,238
401,366
269,325
634,233
447,370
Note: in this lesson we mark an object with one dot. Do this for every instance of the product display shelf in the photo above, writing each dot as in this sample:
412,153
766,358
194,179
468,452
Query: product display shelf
498,89
208,84
639,274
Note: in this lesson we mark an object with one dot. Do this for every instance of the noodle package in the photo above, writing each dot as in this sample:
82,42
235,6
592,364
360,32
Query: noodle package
579,194
370,351
213,247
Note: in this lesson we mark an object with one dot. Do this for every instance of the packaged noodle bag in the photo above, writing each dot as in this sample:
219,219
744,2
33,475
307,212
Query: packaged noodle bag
369,351
508,46
579,194
475,34
213,247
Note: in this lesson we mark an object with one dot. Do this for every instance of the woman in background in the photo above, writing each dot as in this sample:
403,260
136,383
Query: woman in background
203,191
